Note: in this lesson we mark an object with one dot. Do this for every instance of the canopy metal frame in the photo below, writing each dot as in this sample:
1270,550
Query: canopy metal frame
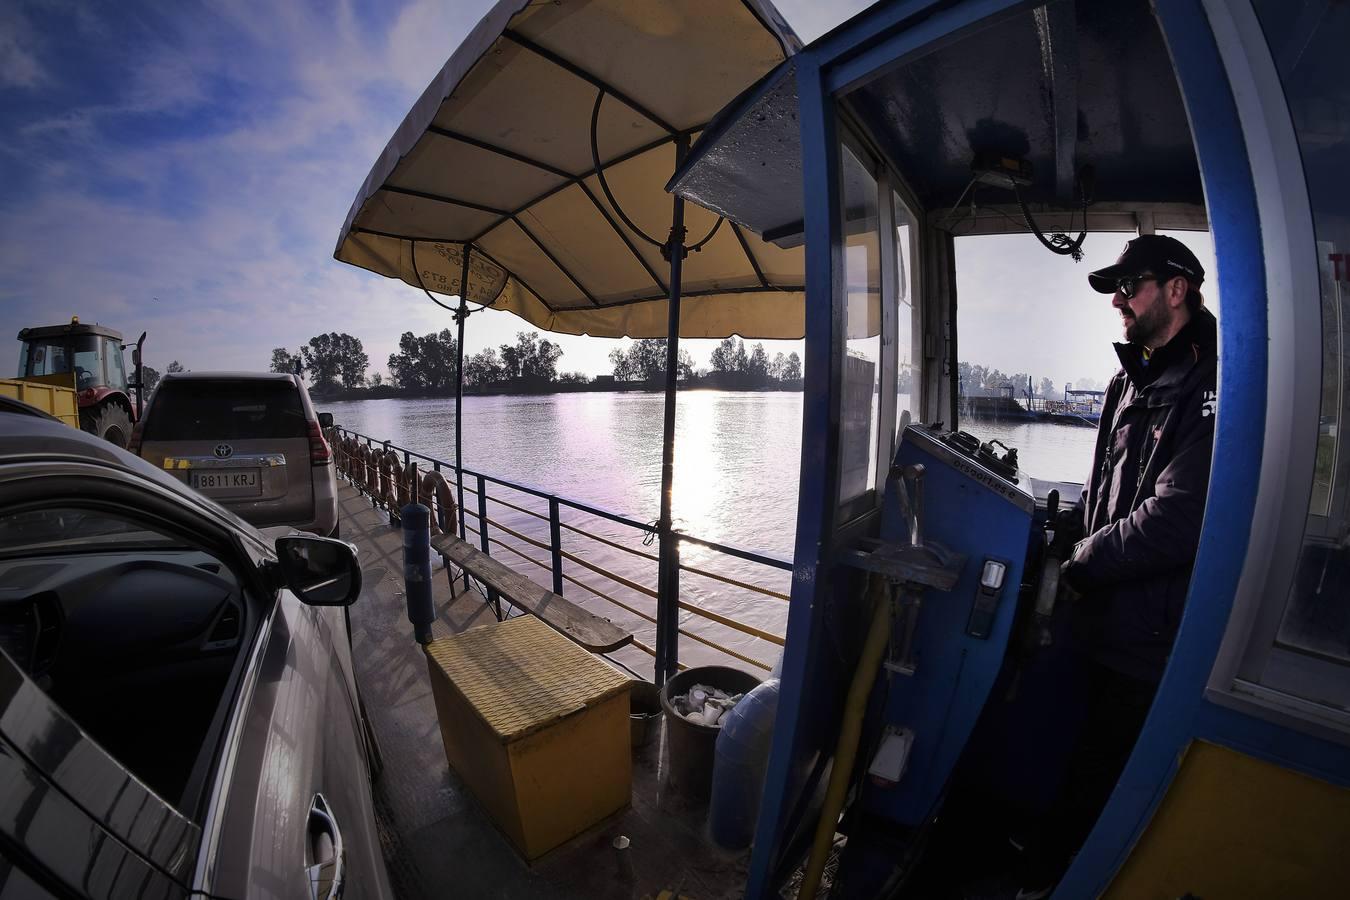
672,135
674,249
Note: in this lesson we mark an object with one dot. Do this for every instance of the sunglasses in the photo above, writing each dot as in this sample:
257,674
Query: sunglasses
1129,285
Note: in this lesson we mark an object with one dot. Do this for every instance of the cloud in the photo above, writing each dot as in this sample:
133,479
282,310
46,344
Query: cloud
231,226
19,66
184,170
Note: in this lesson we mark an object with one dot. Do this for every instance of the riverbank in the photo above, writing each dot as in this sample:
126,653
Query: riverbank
605,384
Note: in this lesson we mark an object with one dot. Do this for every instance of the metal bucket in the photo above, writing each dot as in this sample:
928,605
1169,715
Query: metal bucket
693,745
644,713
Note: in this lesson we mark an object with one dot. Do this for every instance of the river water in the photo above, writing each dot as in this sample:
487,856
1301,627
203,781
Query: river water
736,476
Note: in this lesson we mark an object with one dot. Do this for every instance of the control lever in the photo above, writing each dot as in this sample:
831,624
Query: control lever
1005,465
1037,635
1060,532
911,507
1048,588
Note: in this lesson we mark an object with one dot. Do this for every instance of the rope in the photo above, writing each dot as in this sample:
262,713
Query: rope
732,623
528,512
524,556
734,583
619,603
727,650
631,585
517,534
595,537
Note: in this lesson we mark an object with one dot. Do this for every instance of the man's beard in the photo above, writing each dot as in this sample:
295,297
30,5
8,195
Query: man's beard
1145,328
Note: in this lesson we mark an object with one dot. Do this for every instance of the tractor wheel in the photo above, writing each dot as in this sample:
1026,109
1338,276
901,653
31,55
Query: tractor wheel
109,421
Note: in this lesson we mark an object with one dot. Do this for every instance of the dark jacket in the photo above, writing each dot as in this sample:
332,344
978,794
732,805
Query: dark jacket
1145,500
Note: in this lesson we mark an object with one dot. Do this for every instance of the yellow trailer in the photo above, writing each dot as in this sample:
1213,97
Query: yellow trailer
54,394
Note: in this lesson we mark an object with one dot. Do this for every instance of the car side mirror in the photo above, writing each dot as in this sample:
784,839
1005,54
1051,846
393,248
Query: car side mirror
325,420
320,571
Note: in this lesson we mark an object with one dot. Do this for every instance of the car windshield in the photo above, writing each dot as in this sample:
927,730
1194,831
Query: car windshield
52,530
204,410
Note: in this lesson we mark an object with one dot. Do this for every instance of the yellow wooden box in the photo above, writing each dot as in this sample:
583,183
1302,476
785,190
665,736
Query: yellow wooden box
535,726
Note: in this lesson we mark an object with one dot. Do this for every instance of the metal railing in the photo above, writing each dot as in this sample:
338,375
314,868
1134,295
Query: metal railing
392,476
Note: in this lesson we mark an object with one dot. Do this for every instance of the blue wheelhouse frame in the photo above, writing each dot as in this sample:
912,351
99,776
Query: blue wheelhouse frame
885,36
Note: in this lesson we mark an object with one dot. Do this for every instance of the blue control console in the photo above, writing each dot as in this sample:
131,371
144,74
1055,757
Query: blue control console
974,513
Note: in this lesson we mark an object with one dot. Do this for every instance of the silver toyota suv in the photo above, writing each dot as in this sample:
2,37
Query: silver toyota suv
251,441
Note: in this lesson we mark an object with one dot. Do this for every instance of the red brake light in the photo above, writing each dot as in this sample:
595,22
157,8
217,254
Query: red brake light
134,442
319,454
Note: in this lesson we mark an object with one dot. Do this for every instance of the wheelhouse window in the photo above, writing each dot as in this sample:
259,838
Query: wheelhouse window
1035,344
1288,644
860,409
1315,622
908,331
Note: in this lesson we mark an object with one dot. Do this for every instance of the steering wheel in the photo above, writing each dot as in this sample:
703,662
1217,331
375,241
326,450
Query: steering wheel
83,378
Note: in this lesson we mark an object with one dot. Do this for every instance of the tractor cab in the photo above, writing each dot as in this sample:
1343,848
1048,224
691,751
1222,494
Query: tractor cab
87,358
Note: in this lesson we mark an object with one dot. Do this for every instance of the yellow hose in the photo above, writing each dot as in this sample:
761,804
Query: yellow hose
850,730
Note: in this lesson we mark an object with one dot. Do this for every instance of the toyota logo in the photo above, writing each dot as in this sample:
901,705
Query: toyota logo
223,451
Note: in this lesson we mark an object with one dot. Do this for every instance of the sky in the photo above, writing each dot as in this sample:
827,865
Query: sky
183,168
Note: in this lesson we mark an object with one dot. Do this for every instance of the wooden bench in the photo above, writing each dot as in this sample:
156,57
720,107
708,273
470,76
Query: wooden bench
587,629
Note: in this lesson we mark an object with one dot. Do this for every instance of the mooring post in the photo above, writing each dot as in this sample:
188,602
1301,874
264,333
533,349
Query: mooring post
417,570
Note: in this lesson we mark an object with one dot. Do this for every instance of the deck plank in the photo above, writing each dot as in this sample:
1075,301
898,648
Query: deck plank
596,634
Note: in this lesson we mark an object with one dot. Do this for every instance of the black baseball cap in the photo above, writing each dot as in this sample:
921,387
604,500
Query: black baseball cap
1165,257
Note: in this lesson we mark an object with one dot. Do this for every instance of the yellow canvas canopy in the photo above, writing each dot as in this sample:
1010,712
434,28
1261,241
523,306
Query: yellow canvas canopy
498,157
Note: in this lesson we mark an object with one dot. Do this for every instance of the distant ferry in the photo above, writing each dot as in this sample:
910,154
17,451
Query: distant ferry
1077,407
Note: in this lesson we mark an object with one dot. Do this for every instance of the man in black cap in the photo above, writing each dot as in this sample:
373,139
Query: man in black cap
1143,506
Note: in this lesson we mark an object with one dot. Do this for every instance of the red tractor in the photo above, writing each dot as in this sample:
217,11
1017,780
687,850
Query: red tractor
89,359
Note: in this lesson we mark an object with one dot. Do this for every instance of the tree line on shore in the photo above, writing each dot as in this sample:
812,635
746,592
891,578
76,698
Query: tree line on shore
976,380
645,360
336,363
150,376
426,365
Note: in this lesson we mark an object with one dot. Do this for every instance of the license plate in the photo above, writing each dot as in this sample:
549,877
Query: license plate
221,482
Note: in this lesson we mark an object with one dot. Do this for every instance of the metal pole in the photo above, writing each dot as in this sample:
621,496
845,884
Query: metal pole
668,572
460,316
493,598
555,543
